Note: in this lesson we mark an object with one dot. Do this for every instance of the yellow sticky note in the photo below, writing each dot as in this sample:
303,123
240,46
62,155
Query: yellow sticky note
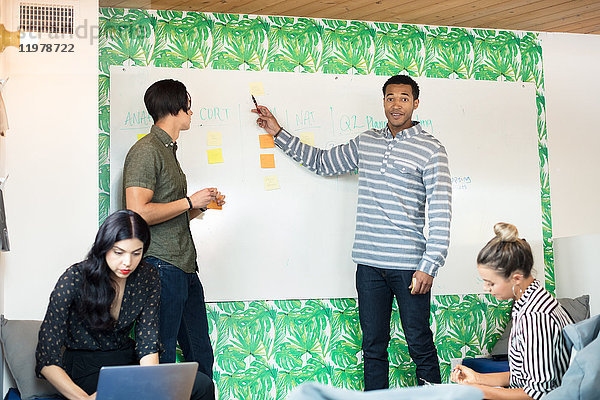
271,182
267,161
214,138
214,156
141,135
266,141
256,88
308,138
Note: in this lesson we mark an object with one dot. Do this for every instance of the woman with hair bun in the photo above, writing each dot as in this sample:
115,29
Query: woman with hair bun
537,353
94,307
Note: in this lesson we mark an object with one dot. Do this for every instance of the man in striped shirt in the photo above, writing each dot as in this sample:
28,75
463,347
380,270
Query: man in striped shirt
401,169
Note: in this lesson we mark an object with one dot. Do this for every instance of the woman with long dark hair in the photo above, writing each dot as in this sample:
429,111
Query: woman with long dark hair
537,353
95,306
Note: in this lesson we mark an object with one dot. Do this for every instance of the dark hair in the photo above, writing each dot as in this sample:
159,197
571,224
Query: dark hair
403,80
506,253
166,97
97,290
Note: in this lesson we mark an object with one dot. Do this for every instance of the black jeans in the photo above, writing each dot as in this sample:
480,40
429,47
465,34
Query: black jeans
376,290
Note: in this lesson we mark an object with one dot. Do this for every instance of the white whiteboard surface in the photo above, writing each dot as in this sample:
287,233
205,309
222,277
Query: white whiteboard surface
295,242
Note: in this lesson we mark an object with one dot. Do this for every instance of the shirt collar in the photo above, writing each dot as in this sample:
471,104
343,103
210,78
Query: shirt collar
162,136
531,289
407,133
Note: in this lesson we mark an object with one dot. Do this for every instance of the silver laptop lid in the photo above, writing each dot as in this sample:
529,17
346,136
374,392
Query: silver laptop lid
152,382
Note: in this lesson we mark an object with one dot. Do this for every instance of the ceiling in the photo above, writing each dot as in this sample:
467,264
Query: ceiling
575,16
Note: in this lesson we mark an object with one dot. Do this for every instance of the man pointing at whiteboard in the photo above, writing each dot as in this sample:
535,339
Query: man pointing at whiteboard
401,169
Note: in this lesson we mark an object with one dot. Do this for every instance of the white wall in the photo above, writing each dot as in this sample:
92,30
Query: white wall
51,156
572,76
571,69
2,174
578,274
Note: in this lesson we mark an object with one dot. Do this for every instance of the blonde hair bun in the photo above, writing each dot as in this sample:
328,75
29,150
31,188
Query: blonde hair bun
506,232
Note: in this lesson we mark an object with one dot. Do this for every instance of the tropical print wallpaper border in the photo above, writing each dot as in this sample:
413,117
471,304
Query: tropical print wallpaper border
265,348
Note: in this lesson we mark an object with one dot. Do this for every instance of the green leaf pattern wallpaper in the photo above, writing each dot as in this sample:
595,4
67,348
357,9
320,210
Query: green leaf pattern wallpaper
265,348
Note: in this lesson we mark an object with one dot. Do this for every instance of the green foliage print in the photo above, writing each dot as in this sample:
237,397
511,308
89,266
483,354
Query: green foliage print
351,44
449,53
269,347
296,45
497,55
399,48
263,349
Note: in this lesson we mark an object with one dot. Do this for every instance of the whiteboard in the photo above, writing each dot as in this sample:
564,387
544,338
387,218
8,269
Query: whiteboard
295,242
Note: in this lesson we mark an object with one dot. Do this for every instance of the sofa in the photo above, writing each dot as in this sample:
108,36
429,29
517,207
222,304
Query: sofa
19,339
582,379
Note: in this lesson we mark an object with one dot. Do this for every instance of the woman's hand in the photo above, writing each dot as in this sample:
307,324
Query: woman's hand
64,384
461,374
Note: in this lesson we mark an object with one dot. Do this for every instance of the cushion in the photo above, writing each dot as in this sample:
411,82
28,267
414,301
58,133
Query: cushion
19,339
578,309
318,391
582,379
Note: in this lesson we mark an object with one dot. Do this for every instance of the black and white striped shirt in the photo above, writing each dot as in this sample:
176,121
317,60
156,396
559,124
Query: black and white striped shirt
537,352
397,176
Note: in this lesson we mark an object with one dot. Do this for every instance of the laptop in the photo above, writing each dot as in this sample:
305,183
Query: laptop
150,382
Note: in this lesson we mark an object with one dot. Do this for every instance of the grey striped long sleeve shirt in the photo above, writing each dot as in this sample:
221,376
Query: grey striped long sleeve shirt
397,177
537,353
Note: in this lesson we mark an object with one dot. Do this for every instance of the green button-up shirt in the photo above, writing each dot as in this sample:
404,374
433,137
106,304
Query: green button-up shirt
151,163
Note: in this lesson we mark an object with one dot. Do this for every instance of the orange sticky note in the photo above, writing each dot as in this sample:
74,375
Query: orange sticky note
266,141
213,205
267,161
214,156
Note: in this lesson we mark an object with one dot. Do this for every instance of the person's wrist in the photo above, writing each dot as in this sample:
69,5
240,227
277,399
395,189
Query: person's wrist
278,132
190,203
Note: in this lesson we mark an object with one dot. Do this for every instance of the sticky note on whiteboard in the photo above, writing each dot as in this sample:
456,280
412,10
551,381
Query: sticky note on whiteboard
308,138
141,135
267,161
266,141
256,88
214,138
271,182
214,156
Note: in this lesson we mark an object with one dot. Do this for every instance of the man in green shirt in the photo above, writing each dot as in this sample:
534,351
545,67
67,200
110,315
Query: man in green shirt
156,188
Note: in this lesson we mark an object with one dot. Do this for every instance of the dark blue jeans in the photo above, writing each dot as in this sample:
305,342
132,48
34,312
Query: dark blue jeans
376,290
183,316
